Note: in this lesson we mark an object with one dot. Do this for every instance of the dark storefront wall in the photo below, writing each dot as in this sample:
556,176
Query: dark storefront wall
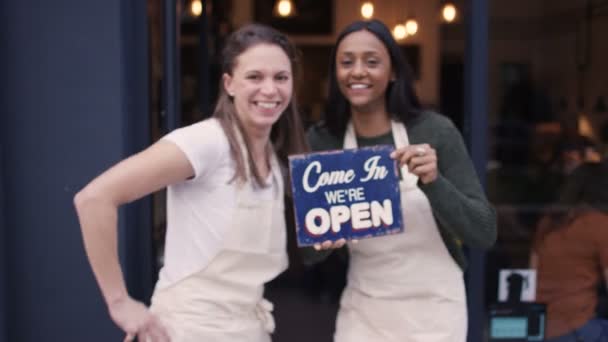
74,93
2,256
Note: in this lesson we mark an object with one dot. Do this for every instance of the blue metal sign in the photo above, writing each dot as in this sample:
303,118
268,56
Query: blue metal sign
351,194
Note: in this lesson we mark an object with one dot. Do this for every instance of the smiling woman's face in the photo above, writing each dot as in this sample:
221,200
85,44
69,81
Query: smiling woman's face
261,85
363,70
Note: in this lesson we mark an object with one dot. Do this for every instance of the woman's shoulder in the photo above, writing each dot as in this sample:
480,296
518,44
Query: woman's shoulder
204,144
321,139
590,223
210,125
433,127
428,119
205,129
205,134
594,218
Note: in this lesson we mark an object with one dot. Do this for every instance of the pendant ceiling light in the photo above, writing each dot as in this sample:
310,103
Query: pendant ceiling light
399,32
196,8
449,12
411,26
367,10
284,9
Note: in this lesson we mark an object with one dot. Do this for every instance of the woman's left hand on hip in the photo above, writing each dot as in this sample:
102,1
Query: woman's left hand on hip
421,160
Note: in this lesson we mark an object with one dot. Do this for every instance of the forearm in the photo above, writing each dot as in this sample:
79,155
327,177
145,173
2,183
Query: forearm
98,222
468,218
456,196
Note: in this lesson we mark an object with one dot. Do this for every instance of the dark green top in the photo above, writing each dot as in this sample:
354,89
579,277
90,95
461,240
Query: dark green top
461,209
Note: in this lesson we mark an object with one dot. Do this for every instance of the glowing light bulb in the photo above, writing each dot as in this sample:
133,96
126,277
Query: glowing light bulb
399,32
411,27
284,8
449,13
367,10
196,8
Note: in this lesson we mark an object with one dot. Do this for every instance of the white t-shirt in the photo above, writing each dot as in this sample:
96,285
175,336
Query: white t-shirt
199,210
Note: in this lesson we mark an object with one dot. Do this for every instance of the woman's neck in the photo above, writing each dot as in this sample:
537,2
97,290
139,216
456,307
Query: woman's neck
371,123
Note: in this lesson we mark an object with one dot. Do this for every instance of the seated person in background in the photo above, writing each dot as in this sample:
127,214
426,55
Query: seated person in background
570,253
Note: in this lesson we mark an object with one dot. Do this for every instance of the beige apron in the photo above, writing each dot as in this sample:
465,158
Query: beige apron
403,287
223,301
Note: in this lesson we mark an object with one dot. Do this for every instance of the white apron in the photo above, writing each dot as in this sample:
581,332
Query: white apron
403,287
223,301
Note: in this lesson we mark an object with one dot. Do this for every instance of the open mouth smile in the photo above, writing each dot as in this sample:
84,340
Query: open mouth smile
358,86
267,104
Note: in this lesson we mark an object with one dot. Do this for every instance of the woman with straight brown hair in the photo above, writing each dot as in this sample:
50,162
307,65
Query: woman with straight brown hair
225,213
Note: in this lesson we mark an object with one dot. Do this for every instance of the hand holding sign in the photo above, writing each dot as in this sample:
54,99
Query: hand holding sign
328,244
345,195
420,160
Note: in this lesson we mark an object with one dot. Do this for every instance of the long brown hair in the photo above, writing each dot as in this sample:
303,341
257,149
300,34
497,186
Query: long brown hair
287,134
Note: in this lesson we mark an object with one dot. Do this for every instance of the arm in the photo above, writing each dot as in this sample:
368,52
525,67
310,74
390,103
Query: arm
456,196
97,206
